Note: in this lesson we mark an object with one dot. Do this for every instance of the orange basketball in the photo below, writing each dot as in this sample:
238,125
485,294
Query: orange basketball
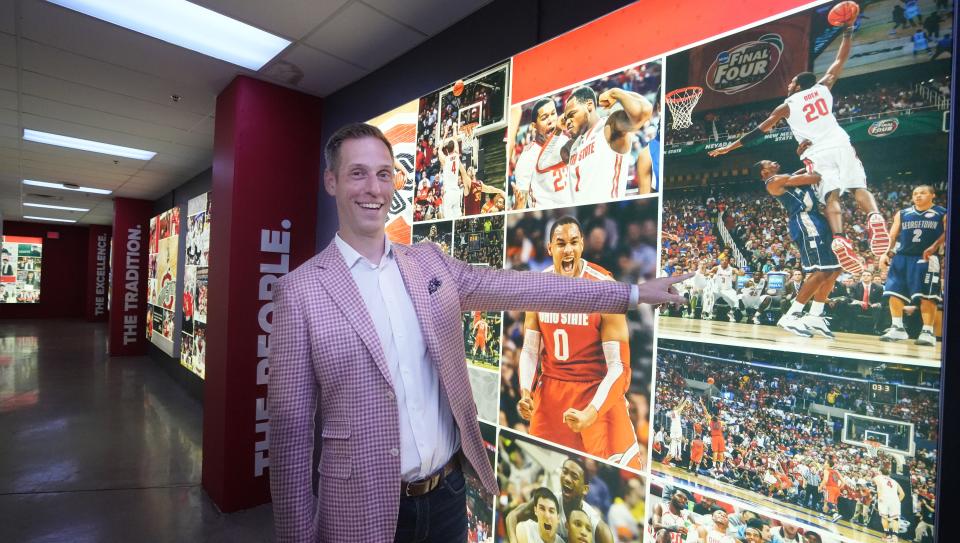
458,87
709,380
844,13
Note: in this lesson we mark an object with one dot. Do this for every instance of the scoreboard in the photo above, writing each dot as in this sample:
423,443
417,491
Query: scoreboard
882,393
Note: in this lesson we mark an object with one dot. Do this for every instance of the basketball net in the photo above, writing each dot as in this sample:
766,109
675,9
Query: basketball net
681,103
467,129
873,448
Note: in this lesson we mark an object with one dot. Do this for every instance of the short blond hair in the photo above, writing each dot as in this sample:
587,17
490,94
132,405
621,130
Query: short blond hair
352,131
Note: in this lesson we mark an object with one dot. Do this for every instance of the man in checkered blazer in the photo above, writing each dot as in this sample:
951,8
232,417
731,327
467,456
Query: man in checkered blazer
367,339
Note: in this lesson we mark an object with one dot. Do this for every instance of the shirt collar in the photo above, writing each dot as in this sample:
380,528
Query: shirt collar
351,256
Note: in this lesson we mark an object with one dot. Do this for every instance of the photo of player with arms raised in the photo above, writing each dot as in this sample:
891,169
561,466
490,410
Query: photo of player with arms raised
594,142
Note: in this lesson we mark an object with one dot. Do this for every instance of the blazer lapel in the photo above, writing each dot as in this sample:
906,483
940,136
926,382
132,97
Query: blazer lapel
341,287
416,286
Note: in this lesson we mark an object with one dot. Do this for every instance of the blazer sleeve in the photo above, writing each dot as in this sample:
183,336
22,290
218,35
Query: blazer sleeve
292,400
487,289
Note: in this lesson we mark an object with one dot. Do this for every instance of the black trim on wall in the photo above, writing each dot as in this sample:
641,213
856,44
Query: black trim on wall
948,476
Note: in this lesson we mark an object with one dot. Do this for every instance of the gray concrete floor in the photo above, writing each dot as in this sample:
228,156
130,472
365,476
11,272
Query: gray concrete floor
94,448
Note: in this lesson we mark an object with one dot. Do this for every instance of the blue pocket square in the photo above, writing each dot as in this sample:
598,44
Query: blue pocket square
433,285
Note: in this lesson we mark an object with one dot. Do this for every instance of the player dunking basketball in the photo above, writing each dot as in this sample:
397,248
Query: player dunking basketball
541,179
808,110
450,168
579,398
598,155
811,234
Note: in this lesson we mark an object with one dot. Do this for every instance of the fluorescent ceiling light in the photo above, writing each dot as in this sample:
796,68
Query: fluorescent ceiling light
76,188
86,145
188,25
48,206
47,219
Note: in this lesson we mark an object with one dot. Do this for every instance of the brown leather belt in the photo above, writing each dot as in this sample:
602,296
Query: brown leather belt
419,488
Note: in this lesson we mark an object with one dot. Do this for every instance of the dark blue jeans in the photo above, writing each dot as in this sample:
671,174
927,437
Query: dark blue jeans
439,516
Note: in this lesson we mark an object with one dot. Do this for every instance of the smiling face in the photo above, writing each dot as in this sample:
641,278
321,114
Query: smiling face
566,247
572,482
362,186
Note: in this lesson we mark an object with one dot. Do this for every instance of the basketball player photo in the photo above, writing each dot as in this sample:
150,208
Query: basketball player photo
839,444
593,142
792,153
481,336
440,232
575,372
676,514
460,164
550,495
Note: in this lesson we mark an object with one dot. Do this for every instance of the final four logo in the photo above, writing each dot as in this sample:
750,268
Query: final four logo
746,65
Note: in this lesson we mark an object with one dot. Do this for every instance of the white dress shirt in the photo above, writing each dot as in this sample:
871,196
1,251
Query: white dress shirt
428,434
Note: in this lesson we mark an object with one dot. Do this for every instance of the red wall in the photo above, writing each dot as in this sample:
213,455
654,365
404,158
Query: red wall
63,275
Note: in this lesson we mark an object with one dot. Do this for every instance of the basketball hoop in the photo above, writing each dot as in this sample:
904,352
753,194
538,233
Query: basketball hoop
681,103
873,448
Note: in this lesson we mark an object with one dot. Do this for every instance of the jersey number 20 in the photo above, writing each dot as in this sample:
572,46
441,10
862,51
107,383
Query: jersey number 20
816,110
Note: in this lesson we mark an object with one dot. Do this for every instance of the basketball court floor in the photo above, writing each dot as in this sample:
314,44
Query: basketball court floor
842,528
856,346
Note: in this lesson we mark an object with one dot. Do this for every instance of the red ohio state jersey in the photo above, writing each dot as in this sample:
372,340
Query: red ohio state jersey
572,347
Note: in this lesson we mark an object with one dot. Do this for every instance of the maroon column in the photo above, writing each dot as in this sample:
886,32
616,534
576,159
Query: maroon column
128,298
266,174
98,273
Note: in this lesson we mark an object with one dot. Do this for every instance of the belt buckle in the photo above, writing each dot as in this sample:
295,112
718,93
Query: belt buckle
406,491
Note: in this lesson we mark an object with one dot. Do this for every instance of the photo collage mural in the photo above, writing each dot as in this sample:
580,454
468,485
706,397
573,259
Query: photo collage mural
797,169
20,263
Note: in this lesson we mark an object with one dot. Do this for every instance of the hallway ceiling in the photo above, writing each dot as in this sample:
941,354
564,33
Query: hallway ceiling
67,73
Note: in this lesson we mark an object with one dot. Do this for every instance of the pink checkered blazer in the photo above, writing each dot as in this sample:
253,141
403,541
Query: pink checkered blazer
326,358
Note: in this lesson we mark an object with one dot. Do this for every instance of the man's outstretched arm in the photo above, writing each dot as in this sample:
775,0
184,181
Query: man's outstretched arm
485,289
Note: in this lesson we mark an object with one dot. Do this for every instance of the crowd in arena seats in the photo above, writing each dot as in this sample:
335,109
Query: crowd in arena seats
776,445
880,99
758,225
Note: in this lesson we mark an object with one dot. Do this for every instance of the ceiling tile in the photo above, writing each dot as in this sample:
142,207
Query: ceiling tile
8,49
313,71
169,114
427,16
364,36
7,17
8,78
33,105
71,31
66,65
291,19
8,99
